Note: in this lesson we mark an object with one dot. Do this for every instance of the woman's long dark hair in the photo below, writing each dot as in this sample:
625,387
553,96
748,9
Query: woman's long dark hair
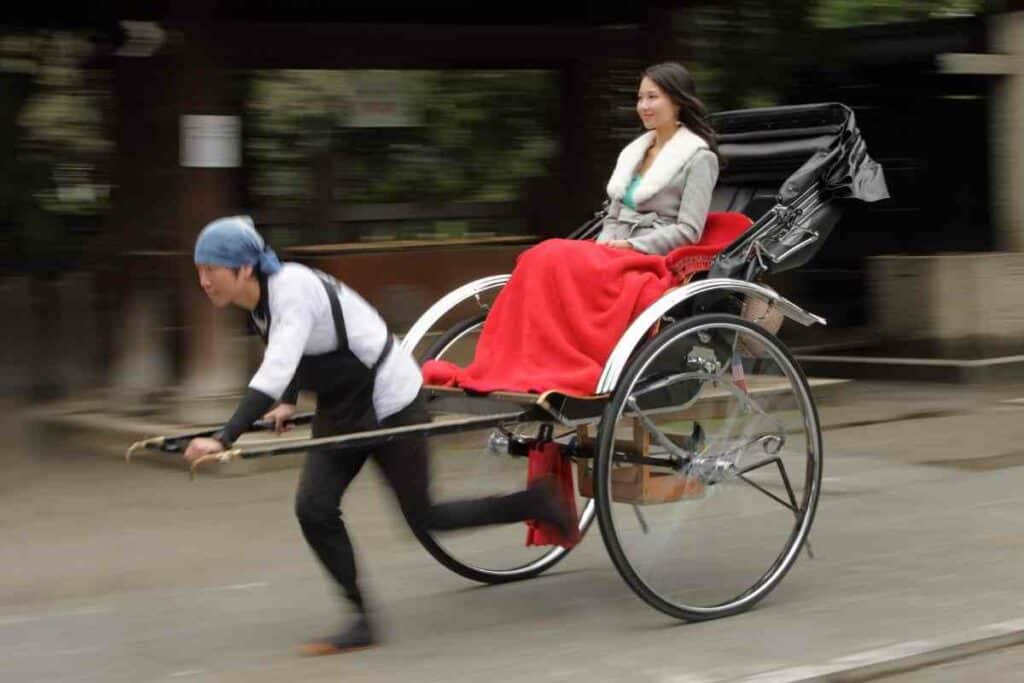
677,83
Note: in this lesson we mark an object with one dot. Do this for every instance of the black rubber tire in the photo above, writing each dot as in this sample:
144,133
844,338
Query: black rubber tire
602,492
436,550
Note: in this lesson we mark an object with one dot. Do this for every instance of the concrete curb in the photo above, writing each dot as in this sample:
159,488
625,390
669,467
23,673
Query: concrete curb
901,657
962,371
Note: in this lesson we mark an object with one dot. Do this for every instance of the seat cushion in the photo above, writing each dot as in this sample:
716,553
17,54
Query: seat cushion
720,230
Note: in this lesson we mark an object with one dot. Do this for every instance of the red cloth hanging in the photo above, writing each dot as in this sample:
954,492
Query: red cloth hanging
546,460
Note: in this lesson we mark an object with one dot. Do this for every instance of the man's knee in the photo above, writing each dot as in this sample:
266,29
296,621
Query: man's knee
316,512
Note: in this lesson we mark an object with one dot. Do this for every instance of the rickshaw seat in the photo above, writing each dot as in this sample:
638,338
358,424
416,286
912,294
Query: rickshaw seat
720,230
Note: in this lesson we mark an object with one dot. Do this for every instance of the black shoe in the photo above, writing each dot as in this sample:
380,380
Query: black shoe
358,636
553,509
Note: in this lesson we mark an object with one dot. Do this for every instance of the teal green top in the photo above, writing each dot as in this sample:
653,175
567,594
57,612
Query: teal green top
627,198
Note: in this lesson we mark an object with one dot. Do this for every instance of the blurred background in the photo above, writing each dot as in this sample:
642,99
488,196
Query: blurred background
408,149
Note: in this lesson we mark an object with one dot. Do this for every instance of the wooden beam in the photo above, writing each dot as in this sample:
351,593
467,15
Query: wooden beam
327,46
967,63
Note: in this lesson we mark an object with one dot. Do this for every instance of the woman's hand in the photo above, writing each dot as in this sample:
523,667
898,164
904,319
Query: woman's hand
620,244
201,446
280,415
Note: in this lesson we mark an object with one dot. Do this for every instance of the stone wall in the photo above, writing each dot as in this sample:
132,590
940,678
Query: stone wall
965,304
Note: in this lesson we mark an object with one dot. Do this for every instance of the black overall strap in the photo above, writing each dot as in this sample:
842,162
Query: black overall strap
333,291
388,345
259,317
331,286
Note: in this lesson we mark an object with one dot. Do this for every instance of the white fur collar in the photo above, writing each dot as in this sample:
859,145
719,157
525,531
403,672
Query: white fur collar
676,152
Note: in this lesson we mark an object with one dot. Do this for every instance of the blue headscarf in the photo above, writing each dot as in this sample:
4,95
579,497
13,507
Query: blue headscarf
234,242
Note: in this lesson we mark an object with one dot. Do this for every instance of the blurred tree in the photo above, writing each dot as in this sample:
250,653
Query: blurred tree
742,51
460,136
842,13
54,150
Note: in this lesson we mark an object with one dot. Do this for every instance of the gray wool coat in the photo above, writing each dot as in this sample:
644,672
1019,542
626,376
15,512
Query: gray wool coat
672,198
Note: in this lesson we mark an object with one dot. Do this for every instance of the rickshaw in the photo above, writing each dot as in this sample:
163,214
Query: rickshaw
700,451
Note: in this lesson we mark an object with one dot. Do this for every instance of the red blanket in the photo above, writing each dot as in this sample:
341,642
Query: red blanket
566,305
558,318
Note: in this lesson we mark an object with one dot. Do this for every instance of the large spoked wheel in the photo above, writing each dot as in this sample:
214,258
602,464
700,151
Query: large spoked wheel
708,467
475,464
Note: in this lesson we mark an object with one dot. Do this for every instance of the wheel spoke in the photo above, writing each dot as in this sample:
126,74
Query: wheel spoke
788,506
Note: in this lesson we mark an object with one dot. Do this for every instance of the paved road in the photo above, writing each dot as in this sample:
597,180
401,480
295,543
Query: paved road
130,573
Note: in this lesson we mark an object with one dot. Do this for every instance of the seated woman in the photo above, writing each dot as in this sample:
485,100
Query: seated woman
661,188
568,301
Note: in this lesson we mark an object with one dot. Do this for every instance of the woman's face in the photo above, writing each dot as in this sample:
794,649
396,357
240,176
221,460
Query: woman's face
656,109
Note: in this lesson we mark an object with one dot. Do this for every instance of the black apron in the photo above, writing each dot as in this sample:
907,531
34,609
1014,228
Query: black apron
342,383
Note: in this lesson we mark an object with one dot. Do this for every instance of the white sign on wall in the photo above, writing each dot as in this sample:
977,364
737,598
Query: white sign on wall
211,141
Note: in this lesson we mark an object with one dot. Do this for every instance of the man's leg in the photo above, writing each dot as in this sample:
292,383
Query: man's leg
324,479
405,465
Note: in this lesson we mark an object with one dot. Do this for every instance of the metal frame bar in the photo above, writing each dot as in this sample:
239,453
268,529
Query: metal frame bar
640,327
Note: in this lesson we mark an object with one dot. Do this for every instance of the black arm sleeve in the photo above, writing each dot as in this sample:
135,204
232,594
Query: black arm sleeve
252,407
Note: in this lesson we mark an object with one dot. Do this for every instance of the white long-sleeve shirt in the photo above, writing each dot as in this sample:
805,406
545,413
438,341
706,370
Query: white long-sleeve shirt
301,324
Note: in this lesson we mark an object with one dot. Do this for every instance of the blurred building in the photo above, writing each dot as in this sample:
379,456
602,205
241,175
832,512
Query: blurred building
405,148
410,148
936,271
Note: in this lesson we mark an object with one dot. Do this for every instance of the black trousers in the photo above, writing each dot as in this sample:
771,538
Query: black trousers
405,465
